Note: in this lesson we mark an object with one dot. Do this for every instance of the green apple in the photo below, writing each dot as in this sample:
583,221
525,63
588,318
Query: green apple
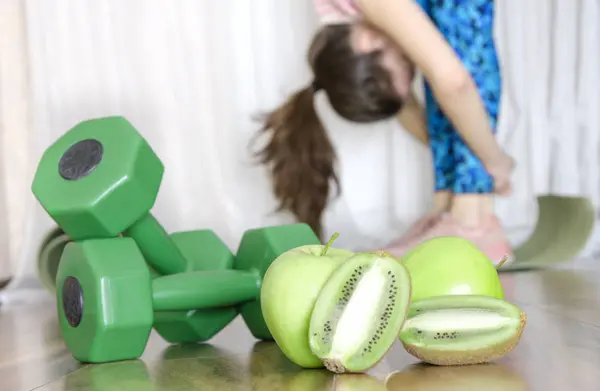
288,294
451,266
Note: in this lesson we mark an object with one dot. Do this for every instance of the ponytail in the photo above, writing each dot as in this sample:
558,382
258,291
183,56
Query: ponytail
301,158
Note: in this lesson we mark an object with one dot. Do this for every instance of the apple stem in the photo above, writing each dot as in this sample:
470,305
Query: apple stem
502,262
333,238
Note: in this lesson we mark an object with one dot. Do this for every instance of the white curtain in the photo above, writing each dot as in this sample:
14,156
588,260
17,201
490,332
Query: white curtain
192,74
15,137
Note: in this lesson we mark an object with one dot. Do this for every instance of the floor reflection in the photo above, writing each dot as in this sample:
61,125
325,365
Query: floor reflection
208,368
559,350
488,377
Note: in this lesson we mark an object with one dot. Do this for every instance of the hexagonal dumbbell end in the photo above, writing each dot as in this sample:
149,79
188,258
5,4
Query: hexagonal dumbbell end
257,250
98,178
104,296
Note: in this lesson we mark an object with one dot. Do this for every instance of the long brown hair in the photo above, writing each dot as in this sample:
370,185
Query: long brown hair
299,151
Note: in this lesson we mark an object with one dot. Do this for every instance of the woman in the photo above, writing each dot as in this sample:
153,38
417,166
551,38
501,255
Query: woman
363,59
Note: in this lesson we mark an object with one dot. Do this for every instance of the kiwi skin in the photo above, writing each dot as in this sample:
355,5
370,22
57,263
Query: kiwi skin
467,357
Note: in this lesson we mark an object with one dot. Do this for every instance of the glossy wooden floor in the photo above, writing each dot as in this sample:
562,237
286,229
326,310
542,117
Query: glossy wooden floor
560,350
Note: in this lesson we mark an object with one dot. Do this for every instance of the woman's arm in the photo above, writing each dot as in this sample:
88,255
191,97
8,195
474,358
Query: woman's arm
454,89
412,118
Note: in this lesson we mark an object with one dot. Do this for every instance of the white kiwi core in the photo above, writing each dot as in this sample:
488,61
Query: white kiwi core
356,321
458,320
456,328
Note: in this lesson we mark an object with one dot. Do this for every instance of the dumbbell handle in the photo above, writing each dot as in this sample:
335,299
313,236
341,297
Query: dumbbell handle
204,289
156,246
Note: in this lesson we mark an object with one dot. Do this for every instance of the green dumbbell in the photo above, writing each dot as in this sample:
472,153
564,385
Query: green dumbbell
206,251
107,301
204,247
100,180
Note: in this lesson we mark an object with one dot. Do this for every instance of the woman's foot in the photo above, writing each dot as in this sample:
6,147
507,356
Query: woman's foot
489,237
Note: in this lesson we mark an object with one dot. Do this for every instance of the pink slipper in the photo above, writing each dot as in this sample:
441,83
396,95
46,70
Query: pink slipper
417,229
489,238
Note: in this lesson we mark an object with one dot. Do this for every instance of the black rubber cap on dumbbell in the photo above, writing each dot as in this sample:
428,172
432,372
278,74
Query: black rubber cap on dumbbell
72,301
80,159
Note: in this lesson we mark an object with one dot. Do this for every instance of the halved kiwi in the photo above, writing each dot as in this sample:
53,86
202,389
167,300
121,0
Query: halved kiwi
359,312
462,329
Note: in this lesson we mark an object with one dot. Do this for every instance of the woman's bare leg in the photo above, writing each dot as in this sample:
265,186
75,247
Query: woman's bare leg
472,209
412,118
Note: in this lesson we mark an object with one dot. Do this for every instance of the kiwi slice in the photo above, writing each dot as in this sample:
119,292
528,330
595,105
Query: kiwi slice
462,329
359,312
